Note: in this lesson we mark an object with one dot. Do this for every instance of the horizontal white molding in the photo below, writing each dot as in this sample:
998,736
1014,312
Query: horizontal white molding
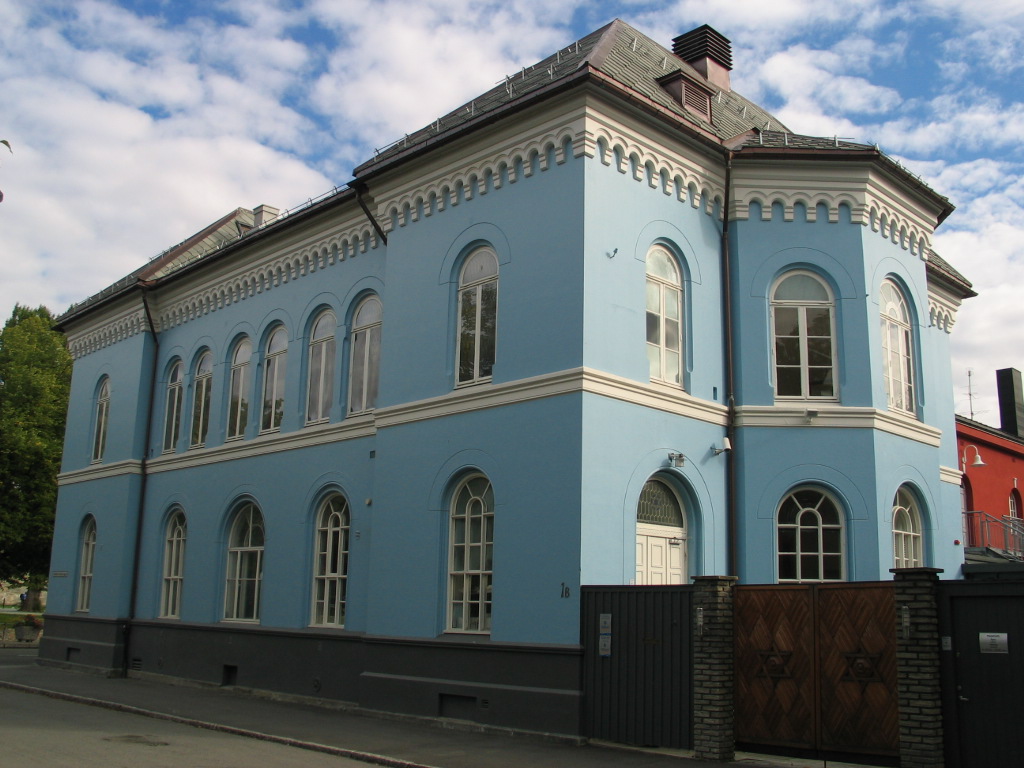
950,475
842,417
101,472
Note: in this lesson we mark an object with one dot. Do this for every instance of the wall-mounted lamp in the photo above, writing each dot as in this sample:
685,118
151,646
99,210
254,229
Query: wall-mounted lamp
977,458
726,446
676,459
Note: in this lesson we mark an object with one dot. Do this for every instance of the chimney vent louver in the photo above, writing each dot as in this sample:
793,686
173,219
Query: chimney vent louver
1011,401
707,51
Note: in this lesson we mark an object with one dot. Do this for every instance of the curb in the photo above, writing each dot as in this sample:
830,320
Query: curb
365,757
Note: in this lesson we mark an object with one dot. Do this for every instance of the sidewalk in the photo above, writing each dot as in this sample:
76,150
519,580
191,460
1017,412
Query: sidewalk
371,737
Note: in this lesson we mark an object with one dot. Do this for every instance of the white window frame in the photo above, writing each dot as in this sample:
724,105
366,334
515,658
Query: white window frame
331,560
897,348
907,536
809,502
175,537
364,370
244,565
661,519
664,299
804,339
202,394
86,561
275,358
238,390
475,356
172,406
99,439
320,374
470,556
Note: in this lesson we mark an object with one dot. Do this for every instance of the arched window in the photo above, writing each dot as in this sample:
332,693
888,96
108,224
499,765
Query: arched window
365,368
245,565
330,578
201,400
471,544
238,396
320,385
803,332
478,317
897,348
172,408
86,559
273,380
664,317
99,437
906,530
174,566
660,536
810,537
1014,505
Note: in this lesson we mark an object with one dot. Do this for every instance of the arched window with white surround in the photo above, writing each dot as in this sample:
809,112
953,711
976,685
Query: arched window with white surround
477,317
273,380
907,537
330,577
172,406
238,390
809,537
365,368
897,348
664,317
86,560
245,565
102,423
320,380
661,547
174,565
202,391
470,556
803,336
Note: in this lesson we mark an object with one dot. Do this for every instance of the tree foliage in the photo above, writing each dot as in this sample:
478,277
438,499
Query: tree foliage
35,378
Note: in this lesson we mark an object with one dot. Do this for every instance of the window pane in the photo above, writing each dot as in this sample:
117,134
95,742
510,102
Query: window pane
787,321
819,321
488,320
788,382
467,334
787,351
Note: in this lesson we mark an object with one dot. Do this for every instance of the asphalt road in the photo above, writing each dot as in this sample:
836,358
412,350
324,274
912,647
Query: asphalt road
49,733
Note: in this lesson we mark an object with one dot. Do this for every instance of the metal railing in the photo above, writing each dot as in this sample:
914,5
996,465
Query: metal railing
1005,534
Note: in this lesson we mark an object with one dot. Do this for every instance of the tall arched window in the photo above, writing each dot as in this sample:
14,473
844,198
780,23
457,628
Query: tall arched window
810,537
478,317
273,380
664,317
87,557
172,408
201,400
330,578
99,436
174,566
660,536
470,556
365,368
1014,505
907,550
320,384
245,565
803,331
897,348
238,396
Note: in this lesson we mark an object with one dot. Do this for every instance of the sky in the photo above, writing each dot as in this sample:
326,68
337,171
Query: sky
135,123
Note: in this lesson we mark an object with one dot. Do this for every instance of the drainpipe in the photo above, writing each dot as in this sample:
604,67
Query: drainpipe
730,384
140,513
360,188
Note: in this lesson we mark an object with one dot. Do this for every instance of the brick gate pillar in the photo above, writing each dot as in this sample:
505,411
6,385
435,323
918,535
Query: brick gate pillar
917,667
713,661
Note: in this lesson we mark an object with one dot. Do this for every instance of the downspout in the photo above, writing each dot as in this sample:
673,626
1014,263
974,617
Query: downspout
143,481
730,382
360,188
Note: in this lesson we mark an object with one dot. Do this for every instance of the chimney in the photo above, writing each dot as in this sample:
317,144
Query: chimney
1011,401
708,52
263,214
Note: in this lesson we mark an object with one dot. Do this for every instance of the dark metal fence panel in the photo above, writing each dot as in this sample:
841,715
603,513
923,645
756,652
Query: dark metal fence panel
637,665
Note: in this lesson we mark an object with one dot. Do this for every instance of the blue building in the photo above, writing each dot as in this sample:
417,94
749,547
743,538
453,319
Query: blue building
608,323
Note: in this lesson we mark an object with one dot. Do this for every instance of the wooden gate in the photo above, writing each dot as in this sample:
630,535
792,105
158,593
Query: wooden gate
816,668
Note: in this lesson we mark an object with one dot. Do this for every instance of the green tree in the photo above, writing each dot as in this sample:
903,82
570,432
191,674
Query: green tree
35,378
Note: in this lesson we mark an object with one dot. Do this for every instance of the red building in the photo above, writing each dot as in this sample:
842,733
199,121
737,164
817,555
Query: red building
992,461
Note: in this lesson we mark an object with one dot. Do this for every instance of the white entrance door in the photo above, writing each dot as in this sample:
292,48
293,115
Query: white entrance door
660,554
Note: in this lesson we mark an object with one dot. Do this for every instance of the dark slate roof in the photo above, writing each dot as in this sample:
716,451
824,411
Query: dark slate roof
618,51
940,269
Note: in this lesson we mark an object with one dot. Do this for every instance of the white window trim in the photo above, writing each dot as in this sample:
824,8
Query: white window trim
904,504
239,384
332,545
274,371
820,528
372,334
460,580
202,397
102,425
664,286
904,353
320,391
802,307
175,539
172,407
236,556
476,287
86,562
